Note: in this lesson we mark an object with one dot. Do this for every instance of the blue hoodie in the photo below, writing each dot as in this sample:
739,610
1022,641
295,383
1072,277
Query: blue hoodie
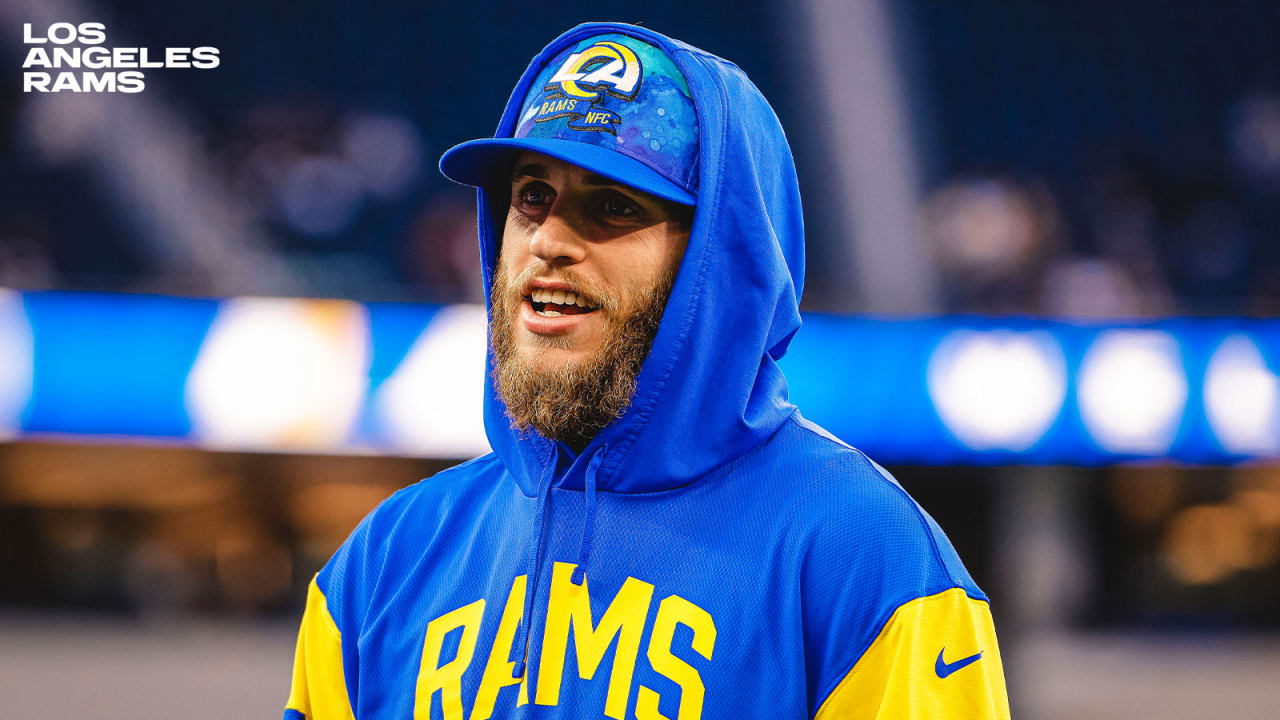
709,554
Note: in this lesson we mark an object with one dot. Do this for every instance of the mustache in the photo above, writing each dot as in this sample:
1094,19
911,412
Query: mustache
595,293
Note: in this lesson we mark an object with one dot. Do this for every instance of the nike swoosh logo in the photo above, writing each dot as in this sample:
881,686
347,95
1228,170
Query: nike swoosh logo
943,668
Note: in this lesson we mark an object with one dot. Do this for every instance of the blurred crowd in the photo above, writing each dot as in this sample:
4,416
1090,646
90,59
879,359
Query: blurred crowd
1195,231
1117,159
302,183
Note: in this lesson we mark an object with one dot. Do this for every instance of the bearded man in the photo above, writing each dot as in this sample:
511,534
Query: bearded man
657,533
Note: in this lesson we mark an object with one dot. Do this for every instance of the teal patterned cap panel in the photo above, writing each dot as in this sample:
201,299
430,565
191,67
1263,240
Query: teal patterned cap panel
617,92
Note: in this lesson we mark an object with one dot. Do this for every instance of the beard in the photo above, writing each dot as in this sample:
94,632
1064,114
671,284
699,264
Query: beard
573,402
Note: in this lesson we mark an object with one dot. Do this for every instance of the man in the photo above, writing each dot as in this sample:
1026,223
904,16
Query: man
657,532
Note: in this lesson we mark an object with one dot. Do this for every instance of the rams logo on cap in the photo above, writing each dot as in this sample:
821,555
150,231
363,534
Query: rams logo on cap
606,65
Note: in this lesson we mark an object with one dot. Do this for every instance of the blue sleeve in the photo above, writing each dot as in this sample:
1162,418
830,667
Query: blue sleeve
873,550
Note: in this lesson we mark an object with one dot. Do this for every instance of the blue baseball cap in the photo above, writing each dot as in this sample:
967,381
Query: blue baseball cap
612,104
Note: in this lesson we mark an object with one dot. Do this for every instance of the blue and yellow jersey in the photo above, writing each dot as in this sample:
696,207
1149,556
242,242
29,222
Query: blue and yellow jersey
801,582
709,554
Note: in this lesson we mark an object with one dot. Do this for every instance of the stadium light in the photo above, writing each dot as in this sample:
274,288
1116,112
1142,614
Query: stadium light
432,404
1132,391
280,374
997,390
15,362
1242,398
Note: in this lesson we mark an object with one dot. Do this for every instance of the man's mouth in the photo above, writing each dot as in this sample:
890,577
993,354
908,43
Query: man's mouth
555,303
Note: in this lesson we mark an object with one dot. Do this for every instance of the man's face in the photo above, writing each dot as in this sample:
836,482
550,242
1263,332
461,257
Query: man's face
583,277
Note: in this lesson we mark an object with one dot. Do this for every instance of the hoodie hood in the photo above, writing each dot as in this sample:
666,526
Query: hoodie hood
710,389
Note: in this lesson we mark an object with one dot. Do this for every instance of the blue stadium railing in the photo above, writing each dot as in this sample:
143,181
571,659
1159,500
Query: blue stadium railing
336,376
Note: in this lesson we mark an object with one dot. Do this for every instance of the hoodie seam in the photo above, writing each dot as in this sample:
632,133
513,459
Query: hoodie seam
884,618
543,458
894,487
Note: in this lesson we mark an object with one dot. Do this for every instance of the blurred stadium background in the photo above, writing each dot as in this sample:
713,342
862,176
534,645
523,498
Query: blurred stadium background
1044,245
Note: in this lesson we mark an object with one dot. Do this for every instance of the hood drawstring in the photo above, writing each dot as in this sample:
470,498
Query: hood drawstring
534,562
533,565
589,520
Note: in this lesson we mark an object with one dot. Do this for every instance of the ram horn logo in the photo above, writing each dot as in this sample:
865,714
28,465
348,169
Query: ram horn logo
606,65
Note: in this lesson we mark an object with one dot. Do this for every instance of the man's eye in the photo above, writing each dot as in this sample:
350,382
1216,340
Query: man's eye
618,208
534,195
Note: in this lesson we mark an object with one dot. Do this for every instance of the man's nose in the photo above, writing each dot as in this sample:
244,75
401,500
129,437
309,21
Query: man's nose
557,241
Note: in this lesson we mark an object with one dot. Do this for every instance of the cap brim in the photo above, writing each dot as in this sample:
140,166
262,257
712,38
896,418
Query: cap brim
484,162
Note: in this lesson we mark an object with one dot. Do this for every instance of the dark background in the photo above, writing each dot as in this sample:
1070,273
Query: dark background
1084,160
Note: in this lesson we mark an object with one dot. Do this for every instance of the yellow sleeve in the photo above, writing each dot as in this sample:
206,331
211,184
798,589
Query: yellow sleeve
319,690
935,658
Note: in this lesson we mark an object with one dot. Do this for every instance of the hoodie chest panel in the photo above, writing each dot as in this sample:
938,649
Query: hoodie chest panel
685,614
